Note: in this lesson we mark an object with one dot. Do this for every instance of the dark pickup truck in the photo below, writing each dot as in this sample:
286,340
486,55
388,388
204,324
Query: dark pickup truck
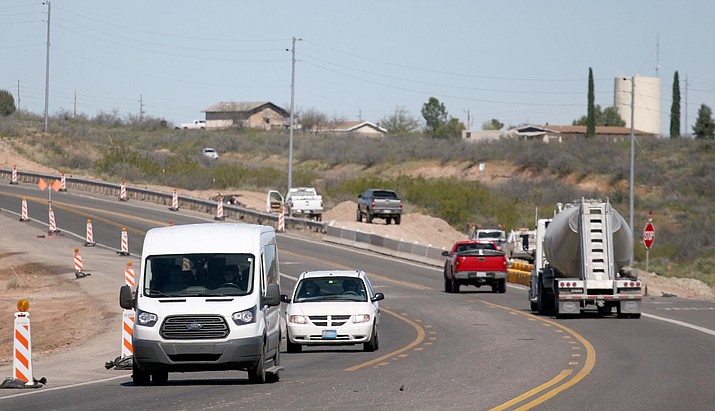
377,203
475,263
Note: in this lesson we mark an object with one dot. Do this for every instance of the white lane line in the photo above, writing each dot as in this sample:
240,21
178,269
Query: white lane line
64,387
681,323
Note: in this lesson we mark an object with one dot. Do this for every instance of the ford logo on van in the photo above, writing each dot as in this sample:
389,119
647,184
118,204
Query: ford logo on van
194,326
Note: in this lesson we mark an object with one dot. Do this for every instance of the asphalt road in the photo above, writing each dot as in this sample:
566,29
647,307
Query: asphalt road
474,350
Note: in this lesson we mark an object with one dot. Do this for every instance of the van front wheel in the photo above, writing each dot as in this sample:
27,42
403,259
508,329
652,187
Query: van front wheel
139,377
257,374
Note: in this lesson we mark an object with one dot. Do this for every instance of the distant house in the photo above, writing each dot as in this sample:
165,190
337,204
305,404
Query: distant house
478,136
257,114
361,127
549,133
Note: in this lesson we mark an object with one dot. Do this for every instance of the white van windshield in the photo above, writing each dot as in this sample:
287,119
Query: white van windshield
199,275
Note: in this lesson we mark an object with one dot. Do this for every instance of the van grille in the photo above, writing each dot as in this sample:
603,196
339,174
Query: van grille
194,327
329,320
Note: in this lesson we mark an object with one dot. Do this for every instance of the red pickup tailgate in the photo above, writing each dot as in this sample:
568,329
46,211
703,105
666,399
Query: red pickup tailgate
484,260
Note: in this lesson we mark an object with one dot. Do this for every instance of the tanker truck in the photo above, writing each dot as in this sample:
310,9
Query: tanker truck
581,262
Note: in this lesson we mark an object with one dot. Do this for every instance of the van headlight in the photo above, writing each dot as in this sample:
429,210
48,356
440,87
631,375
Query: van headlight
146,319
298,319
244,317
361,318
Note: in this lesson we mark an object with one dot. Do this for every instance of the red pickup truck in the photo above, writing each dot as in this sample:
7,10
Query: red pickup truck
475,263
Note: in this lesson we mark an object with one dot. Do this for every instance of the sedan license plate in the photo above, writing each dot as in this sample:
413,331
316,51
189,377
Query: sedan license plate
330,334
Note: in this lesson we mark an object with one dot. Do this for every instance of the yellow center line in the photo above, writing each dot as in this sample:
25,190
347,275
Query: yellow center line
418,340
588,365
95,217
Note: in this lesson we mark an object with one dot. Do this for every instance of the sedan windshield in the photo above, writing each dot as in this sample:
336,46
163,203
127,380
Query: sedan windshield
330,289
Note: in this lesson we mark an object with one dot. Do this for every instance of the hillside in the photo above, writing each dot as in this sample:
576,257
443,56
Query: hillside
415,227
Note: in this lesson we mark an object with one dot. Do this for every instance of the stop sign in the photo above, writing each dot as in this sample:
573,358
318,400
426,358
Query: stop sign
648,236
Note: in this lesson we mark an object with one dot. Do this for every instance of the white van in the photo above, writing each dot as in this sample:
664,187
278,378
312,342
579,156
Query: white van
207,298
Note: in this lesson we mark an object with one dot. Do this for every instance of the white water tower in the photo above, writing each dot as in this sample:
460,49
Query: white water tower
646,116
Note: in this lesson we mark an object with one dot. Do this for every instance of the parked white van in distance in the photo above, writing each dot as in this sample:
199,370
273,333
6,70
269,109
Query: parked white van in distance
207,298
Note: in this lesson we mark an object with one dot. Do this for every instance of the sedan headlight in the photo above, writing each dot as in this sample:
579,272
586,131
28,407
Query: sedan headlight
244,317
361,318
298,319
146,319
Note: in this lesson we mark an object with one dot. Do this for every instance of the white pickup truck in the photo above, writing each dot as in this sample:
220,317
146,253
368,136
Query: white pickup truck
194,124
304,201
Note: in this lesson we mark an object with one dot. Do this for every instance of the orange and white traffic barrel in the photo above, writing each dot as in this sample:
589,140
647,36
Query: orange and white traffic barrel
23,210
219,209
78,263
174,201
90,235
63,183
22,360
124,242
127,326
129,278
281,220
53,223
14,175
123,191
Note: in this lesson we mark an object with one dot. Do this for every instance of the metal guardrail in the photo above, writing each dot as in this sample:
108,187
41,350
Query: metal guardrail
352,238
142,194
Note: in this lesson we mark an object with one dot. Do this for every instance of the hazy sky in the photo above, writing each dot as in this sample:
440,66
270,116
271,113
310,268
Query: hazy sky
517,61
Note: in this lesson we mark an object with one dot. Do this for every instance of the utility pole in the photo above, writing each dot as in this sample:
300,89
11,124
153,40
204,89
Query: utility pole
292,110
685,132
657,55
18,95
47,67
141,107
630,217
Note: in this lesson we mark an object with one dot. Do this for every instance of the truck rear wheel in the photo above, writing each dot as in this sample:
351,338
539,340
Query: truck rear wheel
368,217
455,286
359,216
499,286
397,219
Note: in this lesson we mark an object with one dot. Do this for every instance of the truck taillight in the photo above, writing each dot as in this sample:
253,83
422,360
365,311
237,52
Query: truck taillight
400,203
570,287
372,204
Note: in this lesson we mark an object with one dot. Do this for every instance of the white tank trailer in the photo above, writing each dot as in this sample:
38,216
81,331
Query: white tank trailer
586,247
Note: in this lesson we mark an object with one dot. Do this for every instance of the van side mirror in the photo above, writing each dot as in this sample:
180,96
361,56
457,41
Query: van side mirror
273,295
125,297
378,297
445,253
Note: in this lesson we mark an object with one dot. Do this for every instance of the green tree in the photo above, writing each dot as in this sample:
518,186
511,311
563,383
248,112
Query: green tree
7,103
607,117
611,117
704,126
438,122
435,115
492,124
590,110
400,123
675,108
